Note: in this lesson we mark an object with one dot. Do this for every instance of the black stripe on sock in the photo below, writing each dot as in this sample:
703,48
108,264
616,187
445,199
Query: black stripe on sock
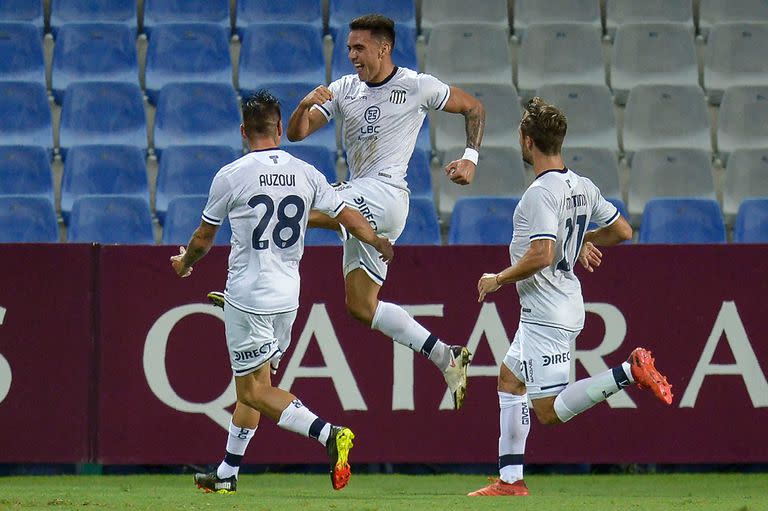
620,377
233,460
316,427
428,345
510,459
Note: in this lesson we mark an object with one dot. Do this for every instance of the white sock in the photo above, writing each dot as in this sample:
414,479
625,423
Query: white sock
298,418
393,321
584,394
514,423
237,443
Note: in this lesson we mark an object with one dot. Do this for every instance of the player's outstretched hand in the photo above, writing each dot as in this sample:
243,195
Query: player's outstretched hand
181,269
317,96
384,247
590,257
461,172
487,285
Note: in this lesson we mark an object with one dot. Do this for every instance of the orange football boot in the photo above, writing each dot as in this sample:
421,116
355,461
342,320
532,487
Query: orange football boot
499,488
647,376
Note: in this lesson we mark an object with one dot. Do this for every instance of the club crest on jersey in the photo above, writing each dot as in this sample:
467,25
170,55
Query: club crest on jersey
372,114
397,96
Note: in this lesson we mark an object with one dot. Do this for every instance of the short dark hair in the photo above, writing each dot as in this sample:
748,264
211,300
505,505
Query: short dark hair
545,124
261,113
380,26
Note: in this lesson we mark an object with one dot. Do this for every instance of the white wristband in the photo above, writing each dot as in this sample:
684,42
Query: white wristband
471,155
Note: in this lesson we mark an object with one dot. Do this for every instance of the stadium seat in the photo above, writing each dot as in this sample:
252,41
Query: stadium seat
669,173
502,119
26,170
659,116
559,53
26,115
341,12
94,11
745,176
184,216
269,11
652,53
404,54
321,157
321,238
187,52
419,176
21,53
295,55
436,12
26,11
422,226
26,219
500,173
466,52
103,170
536,12
185,170
623,12
742,121
110,219
599,164
102,113
589,109
712,12
103,52
485,220
752,222
735,56
186,11
197,114
681,221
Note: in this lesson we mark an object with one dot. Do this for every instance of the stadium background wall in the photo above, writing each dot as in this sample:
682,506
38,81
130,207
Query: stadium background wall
126,363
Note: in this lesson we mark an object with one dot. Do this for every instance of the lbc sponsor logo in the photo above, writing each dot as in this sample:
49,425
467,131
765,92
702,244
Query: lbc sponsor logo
558,358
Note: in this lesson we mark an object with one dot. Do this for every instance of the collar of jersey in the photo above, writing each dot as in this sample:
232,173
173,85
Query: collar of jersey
561,171
388,78
266,149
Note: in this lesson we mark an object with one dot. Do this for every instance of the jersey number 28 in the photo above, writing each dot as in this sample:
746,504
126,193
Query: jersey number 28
291,222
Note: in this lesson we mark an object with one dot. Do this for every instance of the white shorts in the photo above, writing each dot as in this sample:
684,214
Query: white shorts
386,208
540,356
255,339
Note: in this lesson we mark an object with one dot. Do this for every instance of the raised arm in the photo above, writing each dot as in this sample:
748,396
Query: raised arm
305,120
462,171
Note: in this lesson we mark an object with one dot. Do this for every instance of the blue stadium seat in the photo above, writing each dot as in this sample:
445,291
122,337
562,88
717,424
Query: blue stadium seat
28,11
341,12
482,221
404,54
187,170
25,219
184,216
419,177
680,221
102,113
104,52
197,114
26,170
185,11
323,158
187,52
752,222
269,11
26,115
93,11
110,219
21,53
321,238
295,54
103,170
422,226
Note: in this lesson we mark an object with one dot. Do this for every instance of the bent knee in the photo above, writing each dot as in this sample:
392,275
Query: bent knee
362,311
547,416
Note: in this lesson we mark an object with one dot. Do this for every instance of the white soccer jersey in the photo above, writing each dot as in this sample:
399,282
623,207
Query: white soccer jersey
267,196
382,121
559,205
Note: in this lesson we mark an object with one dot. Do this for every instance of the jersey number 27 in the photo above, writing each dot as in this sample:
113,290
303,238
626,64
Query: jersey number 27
581,221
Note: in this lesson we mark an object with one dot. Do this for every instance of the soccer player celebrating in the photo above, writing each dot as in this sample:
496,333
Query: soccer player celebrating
267,195
382,108
549,229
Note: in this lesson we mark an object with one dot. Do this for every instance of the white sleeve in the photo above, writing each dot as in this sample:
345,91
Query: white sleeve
219,199
433,93
330,109
603,212
542,210
326,199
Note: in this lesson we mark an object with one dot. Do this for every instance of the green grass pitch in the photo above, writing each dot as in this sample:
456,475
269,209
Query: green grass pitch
677,492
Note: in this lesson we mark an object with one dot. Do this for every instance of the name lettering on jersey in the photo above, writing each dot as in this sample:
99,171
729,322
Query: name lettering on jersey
558,358
397,96
277,179
362,206
574,201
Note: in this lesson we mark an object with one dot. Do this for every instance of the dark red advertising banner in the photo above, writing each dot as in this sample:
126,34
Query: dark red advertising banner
166,393
46,353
